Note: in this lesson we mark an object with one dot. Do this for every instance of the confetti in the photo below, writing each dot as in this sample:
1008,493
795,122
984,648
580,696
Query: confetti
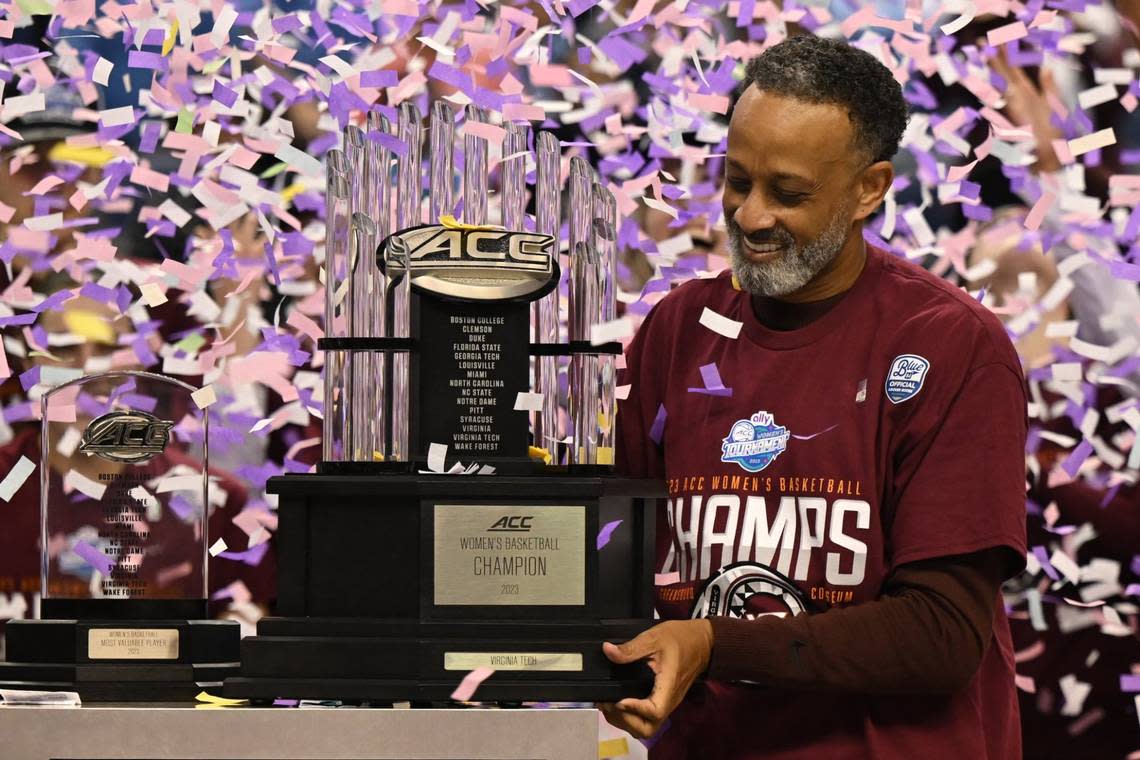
606,532
16,478
720,324
204,396
713,386
527,401
470,683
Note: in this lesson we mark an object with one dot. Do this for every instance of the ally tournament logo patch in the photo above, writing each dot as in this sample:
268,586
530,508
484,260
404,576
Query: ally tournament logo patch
904,381
754,443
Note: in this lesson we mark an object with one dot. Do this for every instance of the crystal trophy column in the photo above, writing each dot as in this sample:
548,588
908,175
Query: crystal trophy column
584,309
336,438
408,204
475,178
377,207
603,371
441,148
548,211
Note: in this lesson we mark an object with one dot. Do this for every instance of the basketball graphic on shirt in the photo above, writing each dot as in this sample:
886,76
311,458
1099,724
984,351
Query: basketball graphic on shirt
747,591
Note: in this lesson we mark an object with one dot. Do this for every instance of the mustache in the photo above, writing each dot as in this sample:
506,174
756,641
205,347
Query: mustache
776,235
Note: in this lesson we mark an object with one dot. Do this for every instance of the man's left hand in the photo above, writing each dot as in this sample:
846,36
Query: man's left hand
677,651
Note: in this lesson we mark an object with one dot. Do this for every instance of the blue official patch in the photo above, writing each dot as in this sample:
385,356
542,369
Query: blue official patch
754,443
905,379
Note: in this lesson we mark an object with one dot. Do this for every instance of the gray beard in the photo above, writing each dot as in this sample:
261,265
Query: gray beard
795,267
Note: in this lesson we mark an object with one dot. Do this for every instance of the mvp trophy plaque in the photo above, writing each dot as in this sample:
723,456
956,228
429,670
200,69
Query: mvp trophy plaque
124,502
450,525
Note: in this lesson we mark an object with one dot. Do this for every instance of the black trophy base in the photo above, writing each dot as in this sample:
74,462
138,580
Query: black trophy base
114,660
389,661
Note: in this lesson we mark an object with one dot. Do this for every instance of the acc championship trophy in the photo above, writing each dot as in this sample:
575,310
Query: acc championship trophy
124,502
431,541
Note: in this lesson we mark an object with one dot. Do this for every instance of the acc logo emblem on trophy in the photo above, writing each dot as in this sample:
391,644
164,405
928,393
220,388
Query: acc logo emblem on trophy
126,436
754,443
905,379
478,263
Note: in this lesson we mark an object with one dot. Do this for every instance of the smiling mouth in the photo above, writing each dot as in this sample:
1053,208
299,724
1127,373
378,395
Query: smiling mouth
764,250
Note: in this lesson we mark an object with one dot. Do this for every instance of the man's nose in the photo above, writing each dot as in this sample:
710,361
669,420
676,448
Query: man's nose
754,215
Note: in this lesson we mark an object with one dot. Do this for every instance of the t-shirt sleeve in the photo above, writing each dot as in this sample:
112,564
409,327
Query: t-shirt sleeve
641,415
960,488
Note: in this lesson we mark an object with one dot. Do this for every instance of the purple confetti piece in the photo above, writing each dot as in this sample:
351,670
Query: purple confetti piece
1076,458
251,556
94,557
1043,557
1130,683
713,384
657,429
606,532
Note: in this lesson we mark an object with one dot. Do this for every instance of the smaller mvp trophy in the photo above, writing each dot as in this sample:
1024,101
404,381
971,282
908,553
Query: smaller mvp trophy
124,501
452,523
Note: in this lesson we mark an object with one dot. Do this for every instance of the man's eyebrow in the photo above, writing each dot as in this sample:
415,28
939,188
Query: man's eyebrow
778,175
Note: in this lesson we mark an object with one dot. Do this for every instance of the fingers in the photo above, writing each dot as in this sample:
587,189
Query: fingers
635,724
631,651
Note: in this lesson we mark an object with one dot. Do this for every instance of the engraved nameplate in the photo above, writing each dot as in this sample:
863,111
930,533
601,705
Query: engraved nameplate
132,644
510,555
538,661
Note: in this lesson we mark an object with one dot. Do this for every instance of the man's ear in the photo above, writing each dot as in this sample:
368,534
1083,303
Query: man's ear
871,187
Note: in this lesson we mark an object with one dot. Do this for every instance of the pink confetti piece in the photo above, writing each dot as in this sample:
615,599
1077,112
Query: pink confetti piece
666,579
607,532
1007,33
470,683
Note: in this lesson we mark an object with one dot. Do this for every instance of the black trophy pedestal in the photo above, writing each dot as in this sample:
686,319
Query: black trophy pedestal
393,587
121,658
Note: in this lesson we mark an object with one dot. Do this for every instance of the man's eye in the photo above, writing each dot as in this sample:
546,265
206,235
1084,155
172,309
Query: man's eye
790,199
739,185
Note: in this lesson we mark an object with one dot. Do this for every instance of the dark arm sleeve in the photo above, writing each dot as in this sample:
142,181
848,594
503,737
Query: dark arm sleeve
925,635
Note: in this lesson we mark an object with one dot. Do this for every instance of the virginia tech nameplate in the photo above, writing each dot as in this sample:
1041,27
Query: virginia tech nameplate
132,644
538,661
510,555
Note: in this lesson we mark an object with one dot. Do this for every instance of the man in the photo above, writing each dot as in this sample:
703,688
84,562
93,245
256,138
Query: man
865,480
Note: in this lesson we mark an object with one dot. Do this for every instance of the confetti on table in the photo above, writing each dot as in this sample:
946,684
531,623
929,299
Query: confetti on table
466,688
16,477
437,455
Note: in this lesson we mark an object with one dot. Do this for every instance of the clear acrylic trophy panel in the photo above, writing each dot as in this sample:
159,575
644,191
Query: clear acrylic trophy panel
124,500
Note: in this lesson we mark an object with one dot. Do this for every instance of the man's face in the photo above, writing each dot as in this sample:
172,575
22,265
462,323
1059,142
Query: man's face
789,190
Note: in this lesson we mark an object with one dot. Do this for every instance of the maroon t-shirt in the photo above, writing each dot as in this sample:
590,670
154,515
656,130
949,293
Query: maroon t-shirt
887,431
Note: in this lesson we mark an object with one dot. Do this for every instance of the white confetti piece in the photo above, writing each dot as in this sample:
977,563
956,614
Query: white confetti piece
101,73
528,402
45,223
153,294
16,477
611,331
621,393
1066,372
204,396
174,212
437,454
299,161
68,442
1094,96
218,547
1075,693
180,483
22,104
721,324
1096,140
116,117
1065,565
85,485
